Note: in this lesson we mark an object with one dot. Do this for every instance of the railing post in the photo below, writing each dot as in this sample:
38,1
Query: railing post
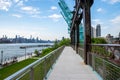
88,56
31,73
45,68
93,61
104,70
51,61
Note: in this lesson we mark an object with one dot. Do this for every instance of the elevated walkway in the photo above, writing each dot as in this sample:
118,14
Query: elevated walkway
70,66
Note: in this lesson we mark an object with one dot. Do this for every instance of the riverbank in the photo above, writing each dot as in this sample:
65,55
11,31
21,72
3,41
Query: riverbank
10,51
16,59
8,70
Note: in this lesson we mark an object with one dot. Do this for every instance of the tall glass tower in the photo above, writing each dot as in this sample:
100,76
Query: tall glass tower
98,30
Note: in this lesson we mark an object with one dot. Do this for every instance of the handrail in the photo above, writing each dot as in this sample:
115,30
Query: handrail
111,45
30,66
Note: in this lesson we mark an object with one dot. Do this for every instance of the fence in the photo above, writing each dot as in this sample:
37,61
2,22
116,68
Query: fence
102,59
38,69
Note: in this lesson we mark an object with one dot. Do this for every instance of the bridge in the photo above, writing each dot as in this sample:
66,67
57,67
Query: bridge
81,61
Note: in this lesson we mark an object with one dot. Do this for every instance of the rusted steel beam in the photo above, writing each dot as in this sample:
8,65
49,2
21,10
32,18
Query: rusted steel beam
77,37
75,15
87,29
84,6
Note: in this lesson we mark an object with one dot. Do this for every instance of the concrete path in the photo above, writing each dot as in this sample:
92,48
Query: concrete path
70,66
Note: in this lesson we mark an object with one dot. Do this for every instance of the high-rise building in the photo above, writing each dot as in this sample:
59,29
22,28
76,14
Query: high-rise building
98,30
93,32
119,36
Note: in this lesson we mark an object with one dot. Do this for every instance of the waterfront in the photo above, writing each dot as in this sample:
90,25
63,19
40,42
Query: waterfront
14,50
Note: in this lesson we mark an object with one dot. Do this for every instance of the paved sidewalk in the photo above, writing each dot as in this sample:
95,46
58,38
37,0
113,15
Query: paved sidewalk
70,66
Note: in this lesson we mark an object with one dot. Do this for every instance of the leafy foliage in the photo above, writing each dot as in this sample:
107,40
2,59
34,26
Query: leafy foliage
65,41
99,41
36,52
7,71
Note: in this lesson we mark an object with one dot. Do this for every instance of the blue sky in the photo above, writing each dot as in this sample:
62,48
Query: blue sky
106,13
42,18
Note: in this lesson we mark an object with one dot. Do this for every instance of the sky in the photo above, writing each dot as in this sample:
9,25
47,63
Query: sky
39,18
42,18
107,14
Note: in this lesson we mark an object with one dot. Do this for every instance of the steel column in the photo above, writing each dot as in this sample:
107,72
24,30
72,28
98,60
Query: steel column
76,37
87,31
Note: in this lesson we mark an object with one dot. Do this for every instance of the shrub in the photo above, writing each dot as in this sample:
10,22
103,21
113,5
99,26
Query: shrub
36,52
99,41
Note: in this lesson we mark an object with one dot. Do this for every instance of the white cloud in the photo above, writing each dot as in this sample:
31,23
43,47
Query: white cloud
112,1
100,10
17,15
55,17
30,10
5,5
38,16
20,3
53,8
113,26
116,20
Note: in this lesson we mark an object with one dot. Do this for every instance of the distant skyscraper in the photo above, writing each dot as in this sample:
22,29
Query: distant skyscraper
93,32
98,30
119,35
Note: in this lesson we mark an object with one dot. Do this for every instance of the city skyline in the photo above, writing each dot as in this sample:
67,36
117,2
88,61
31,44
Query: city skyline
42,18
22,39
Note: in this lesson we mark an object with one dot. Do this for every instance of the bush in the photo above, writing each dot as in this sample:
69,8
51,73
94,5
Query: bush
46,51
65,41
99,41
36,52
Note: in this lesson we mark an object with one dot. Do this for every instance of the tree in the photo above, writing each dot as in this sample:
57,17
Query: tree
36,52
65,41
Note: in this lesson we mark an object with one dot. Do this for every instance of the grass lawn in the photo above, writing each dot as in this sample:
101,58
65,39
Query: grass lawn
7,71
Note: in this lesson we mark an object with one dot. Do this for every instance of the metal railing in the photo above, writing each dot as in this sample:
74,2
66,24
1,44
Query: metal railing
107,50
38,69
106,69
103,60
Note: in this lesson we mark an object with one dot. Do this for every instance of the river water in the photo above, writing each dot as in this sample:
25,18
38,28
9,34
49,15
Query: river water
14,50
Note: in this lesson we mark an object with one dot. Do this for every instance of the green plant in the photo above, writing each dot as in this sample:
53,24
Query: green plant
98,41
7,71
37,52
65,41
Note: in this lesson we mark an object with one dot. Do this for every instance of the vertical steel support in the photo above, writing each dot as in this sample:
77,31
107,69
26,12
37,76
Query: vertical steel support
77,37
87,31
73,37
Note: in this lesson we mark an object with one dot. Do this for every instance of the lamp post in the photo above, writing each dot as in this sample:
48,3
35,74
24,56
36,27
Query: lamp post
1,57
25,53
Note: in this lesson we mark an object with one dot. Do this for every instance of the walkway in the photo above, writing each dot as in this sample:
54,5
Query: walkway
70,66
